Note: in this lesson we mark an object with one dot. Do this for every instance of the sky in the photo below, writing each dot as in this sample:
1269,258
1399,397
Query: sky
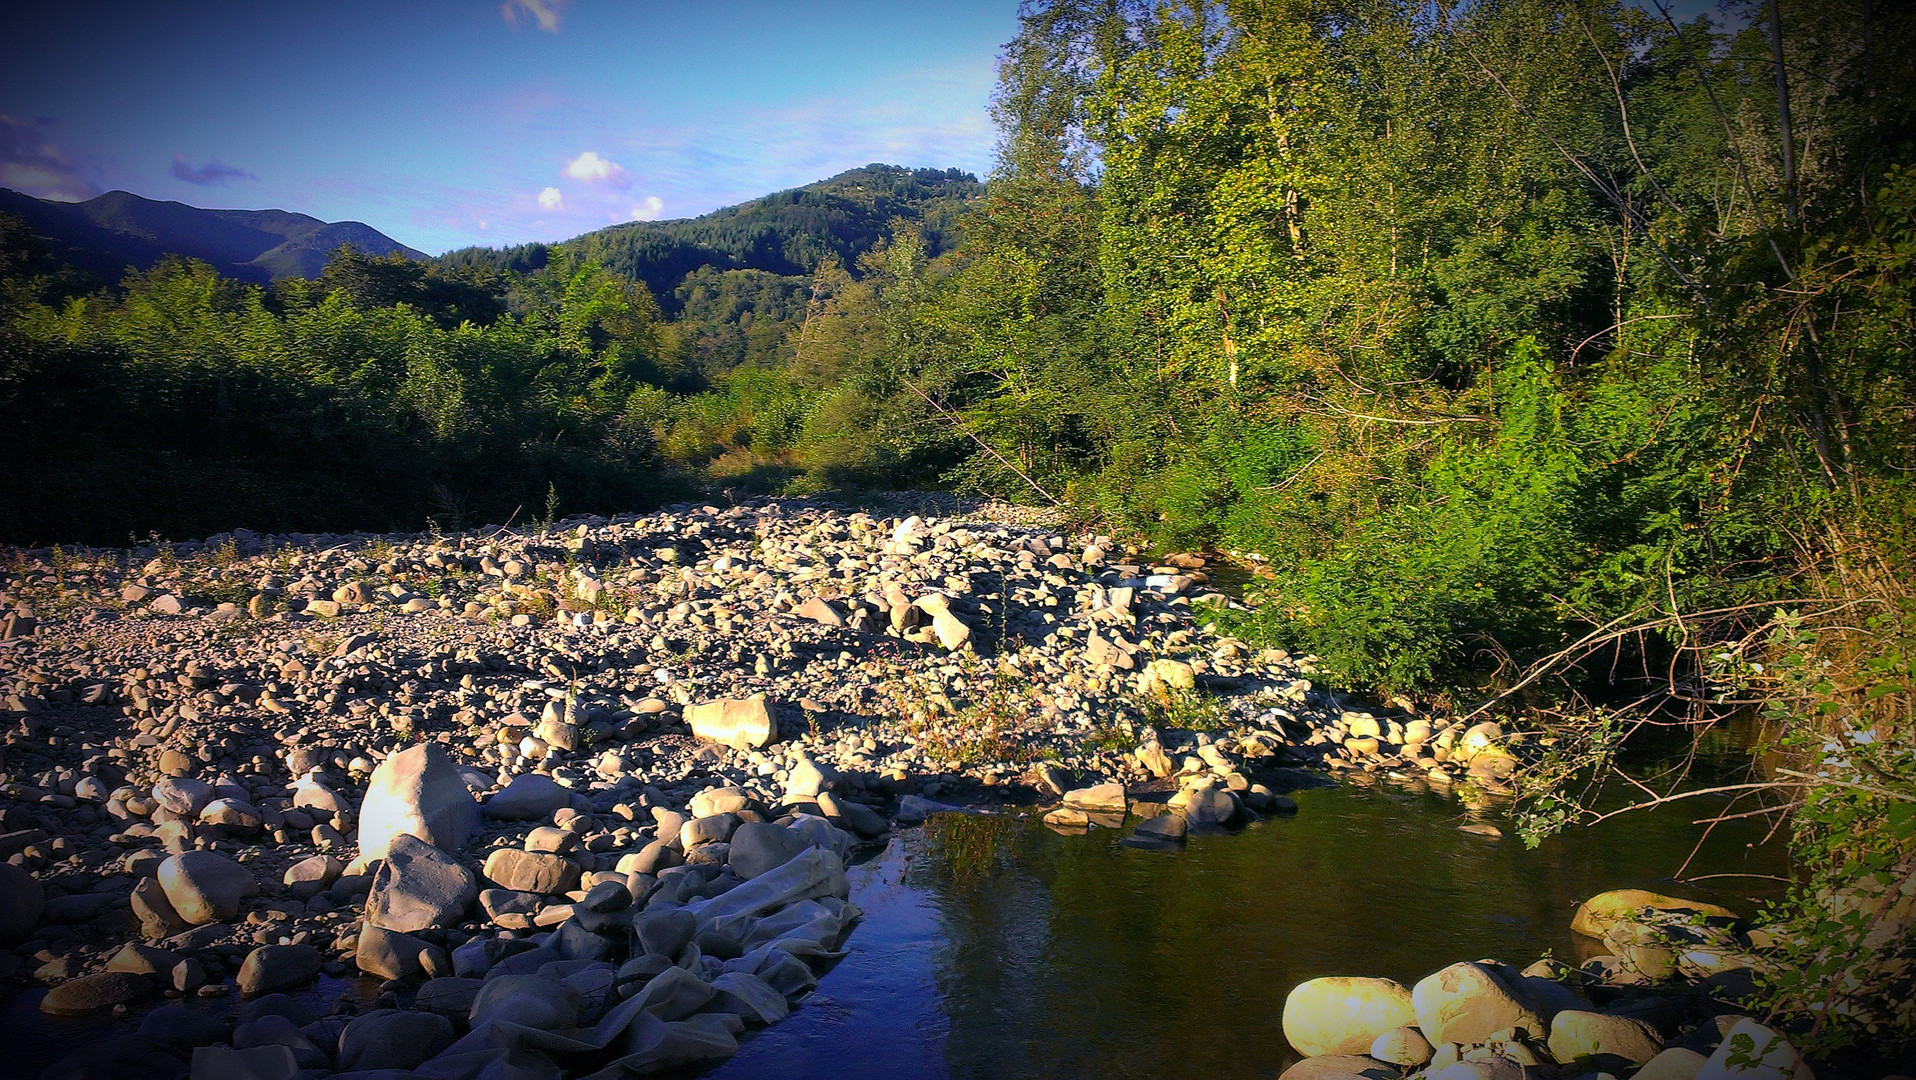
447,123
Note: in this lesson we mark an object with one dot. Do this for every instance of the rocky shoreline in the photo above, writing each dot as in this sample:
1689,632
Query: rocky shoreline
582,796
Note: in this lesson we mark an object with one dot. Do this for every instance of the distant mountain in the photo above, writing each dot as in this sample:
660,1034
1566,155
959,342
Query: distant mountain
788,233
119,229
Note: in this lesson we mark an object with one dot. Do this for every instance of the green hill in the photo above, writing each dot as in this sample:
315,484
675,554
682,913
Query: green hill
788,233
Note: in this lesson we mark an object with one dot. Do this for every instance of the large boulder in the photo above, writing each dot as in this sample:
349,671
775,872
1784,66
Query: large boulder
1598,914
22,899
205,886
740,723
419,886
529,797
532,1000
1106,798
417,791
1466,1003
1341,1015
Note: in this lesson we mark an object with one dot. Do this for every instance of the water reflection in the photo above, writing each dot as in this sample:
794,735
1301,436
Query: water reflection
994,948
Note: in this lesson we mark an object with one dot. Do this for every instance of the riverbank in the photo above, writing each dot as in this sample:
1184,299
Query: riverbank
238,764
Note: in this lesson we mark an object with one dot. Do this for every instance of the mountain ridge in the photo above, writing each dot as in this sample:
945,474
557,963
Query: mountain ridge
106,234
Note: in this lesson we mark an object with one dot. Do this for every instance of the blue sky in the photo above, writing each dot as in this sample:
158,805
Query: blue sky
445,124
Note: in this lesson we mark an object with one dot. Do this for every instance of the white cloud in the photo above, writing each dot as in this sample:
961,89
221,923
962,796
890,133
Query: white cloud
551,199
649,209
545,13
590,168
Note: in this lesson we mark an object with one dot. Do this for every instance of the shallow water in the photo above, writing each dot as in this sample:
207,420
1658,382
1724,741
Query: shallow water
994,948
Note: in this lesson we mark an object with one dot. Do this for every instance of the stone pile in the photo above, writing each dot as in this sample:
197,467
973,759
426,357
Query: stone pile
445,761
1664,1004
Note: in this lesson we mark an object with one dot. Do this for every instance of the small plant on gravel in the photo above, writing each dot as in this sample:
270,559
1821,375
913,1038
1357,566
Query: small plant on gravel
1190,710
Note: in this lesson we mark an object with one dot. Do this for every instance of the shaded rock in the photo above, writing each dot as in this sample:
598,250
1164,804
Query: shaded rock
417,791
1341,1015
22,899
1676,1063
1211,807
759,846
1341,1067
393,1039
92,993
418,887
388,954
532,1000
269,1062
1753,1051
278,967
205,887
529,797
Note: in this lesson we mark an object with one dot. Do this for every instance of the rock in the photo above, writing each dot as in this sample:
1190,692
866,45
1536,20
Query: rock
1467,1003
529,871
1404,1046
1211,808
1344,1015
1155,760
740,723
278,967
532,1000
183,796
236,814
1752,1051
205,887
820,610
654,857
1676,1063
857,817
154,911
388,954
269,1062
1170,827
393,1039
143,960
418,887
22,899
1596,915
1617,1042
759,846
92,993
714,829
448,996
664,933
312,875
530,797
417,791
1106,798
804,780
1341,1067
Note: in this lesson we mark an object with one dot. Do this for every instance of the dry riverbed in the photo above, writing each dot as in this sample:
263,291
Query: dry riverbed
583,796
